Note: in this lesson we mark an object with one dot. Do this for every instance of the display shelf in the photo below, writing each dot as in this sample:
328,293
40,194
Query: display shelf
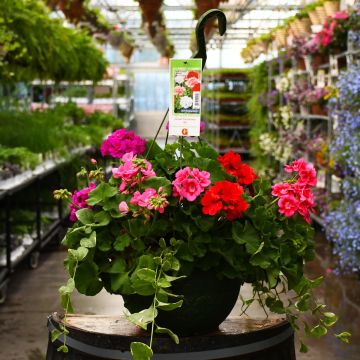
42,235
224,109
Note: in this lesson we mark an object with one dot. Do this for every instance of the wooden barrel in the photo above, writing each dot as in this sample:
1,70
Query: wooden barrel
107,337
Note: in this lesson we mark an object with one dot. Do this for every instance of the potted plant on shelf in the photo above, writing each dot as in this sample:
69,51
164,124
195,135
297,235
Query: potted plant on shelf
316,100
178,231
331,7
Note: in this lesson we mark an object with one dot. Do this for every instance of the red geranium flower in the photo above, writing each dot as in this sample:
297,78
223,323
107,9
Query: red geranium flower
191,74
226,196
234,166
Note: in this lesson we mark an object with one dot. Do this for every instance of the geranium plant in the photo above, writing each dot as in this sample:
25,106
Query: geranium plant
172,212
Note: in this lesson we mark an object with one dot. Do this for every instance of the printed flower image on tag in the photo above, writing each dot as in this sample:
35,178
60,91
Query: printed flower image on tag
187,87
185,98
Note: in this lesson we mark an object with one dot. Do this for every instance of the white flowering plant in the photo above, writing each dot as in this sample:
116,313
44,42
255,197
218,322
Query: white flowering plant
186,85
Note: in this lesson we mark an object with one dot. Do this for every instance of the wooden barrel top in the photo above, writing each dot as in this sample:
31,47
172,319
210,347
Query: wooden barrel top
115,334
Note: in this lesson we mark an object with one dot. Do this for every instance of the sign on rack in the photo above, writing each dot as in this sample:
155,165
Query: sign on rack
185,97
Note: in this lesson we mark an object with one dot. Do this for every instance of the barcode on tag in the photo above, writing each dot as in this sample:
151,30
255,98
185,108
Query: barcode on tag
196,100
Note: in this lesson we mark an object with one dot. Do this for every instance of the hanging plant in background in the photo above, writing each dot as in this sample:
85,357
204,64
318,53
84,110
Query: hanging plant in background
33,55
122,40
155,27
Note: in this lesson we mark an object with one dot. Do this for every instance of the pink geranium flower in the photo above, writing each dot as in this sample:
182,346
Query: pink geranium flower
288,205
308,175
179,90
189,184
78,201
150,199
123,208
295,166
281,189
341,15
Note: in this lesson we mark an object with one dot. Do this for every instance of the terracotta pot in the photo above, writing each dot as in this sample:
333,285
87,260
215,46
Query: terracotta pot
320,12
304,26
294,28
319,60
317,109
301,63
126,50
280,37
314,17
73,10
331,7
150,10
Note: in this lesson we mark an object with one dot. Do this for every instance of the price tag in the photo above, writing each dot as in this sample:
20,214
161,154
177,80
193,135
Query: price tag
185,97
321,82
334,69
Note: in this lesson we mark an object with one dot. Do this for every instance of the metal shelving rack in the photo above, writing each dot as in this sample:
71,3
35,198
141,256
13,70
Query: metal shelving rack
120,105
225,112
42,235
312,120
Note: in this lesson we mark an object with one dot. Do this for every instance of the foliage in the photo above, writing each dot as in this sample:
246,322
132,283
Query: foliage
258,76
33,55
149,224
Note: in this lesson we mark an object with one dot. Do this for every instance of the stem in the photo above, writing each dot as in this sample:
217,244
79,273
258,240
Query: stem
181,139
157,134
154,308
200,141
67,305
167,137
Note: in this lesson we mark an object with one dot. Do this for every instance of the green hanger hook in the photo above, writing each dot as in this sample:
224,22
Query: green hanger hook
200,32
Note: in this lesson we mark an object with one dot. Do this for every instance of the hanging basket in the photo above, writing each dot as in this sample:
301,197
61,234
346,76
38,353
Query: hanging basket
150,10
126,51
314,18
320,12
115,38
331,7
304,26
294,29
280,37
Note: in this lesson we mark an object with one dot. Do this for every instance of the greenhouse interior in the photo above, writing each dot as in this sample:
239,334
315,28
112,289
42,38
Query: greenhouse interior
179,179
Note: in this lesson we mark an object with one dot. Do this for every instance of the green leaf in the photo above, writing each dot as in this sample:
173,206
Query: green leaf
85,216
117,266
63,348
344,336
68,288
162,243
162,330
303,303
246,235
169,306
66,303
163,283
101,192
318,331
143,318
329,318
157,182
122,242
303,347
89,242
147,275
79,254
140,351
275,305
102,218
120,283
55,334
87,279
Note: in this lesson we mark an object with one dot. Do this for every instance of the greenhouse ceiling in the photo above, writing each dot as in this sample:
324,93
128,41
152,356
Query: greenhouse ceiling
246,18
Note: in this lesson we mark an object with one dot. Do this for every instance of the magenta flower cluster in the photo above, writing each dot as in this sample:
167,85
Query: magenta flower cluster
121,142
132,171
297,197
78,201
190,183
150,199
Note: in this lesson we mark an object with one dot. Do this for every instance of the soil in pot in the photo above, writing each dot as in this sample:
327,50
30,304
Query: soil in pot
207,303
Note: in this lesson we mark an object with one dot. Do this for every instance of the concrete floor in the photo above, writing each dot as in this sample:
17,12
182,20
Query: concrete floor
33,295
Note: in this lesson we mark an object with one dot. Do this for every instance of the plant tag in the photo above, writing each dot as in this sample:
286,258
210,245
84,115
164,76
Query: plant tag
320,77
334,69
185,97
